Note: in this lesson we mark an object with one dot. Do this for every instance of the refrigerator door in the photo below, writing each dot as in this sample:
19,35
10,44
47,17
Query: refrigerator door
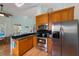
70,38
56,47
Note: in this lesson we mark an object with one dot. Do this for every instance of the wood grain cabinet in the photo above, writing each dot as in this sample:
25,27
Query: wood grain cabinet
66,14
49,46
34,41
41,19
55,17
23,45
62,15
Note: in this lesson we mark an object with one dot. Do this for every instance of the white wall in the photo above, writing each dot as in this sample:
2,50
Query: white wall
6,22
24,21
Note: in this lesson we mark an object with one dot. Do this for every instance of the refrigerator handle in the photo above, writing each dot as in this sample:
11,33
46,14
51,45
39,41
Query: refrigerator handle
61,33
61,37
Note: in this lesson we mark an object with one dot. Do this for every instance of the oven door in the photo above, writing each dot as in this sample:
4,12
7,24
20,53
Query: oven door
42,44
41,40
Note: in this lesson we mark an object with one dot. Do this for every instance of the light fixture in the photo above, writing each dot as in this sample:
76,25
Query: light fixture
19,4
2,13
1,10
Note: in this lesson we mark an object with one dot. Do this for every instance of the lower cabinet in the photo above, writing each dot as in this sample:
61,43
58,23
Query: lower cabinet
34,41
23,45
49,46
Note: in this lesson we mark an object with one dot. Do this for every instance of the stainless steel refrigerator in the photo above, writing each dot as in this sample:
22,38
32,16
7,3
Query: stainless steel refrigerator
65,38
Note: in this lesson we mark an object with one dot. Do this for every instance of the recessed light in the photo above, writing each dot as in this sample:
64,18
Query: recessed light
19,4
1,14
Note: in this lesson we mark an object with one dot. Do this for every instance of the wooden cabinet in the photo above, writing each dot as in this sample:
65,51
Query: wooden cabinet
41,19
67,14
34,41
62,15
23,45
29,43
15,50
49,46
56,17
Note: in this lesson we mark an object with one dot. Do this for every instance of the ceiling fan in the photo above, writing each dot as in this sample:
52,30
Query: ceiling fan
2,13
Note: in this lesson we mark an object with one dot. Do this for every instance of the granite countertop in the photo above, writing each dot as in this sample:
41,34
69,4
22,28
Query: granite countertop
22,36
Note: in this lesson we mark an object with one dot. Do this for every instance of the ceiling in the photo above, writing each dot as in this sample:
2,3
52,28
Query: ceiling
31,9
26,9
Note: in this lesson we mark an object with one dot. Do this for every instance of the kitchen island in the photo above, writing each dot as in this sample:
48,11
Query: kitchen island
23,43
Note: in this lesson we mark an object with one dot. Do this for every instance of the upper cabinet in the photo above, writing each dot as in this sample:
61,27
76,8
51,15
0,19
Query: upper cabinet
62,15
55,17
41,19
66,14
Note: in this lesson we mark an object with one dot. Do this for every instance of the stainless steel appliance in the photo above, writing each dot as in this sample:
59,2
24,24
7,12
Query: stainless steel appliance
42,43
43,27
65,39
42,33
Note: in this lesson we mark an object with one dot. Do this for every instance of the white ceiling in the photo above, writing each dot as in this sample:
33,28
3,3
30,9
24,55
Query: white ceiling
31,9
26,9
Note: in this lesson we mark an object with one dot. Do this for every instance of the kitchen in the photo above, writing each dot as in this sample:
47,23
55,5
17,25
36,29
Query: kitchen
31,35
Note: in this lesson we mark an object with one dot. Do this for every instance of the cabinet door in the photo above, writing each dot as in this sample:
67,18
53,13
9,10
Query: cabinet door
29,42
41,19
71,13
34,41
56,17
44,19
38,19
49,46
37,22
67,14
15,50
22,46
62,15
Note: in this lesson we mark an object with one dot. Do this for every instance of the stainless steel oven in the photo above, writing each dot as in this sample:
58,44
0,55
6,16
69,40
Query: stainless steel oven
42,34
42,43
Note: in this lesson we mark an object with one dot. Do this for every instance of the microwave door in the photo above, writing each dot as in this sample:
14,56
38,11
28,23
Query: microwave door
56,39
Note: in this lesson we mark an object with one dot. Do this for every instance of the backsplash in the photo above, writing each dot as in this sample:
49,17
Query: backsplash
28,24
